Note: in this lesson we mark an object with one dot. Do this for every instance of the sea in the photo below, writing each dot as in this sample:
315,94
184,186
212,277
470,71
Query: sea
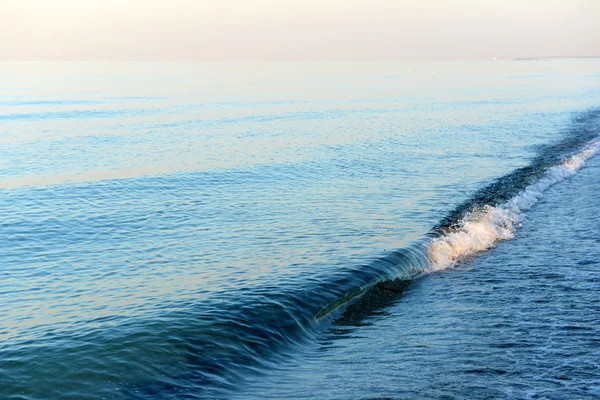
213,230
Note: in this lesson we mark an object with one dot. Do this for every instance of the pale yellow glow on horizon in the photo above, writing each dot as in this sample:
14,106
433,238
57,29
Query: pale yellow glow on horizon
305,30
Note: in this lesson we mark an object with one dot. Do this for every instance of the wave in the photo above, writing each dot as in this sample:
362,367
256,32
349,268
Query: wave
473,227
268,327
481,228
493,213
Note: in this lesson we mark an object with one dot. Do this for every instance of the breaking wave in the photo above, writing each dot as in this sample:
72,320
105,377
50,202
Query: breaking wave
492,214
481,228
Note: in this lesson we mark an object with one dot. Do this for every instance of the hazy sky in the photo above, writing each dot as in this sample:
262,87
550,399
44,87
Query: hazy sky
305,30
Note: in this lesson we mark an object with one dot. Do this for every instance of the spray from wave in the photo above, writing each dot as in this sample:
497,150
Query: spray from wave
481,228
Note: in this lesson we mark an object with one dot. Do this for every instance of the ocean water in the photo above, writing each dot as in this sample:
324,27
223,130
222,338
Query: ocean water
301,231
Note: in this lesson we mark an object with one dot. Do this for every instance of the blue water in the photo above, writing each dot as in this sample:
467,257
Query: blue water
230,230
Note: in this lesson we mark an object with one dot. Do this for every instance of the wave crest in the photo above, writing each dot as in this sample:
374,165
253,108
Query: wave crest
482,228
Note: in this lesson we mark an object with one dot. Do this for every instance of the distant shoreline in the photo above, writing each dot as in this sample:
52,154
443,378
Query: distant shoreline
551,58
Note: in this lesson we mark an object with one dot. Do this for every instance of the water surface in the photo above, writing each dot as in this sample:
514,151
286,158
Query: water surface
214,230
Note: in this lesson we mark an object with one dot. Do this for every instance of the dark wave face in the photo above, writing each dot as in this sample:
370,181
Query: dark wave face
170,278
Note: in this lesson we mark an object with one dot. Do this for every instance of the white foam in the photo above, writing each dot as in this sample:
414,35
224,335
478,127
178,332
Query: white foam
483,228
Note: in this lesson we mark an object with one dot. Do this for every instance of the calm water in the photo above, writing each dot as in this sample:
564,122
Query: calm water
302,231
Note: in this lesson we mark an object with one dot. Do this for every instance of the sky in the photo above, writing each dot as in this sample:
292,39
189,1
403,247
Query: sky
296,30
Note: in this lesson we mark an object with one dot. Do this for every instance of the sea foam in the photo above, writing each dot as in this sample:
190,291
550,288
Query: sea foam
482,228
